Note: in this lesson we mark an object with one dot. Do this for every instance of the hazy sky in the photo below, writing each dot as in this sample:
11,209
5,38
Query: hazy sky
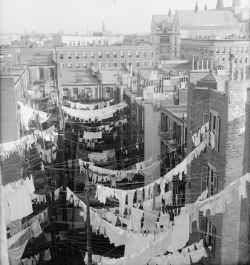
125,16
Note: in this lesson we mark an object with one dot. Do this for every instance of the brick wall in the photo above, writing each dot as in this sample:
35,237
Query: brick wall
233,226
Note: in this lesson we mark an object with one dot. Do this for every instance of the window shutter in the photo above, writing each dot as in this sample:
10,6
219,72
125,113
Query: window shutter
204,177
217,134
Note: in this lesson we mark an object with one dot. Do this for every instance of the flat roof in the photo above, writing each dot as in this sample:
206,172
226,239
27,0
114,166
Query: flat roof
177,111
78,77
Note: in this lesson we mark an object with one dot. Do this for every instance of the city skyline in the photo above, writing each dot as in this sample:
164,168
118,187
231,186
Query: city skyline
119,16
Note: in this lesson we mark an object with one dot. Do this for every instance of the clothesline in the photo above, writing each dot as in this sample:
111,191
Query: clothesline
26,141
195,252
94,115
27,113
80,106
17,243
118,236
168,177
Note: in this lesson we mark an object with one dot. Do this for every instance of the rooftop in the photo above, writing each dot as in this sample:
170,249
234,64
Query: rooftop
78,77
162,21
207,18
177,111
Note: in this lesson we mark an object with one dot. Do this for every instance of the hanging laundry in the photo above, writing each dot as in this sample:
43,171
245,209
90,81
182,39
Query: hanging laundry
98,157
150,219
92,135
15,254
96,114
164,220
135,217
148,205
180,230
27,113
131,194
17,199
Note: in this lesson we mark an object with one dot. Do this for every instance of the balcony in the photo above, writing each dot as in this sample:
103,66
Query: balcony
167,138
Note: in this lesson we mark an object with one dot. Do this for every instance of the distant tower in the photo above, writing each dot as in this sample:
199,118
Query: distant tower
205,7
169,12
196,7
236,3
219,4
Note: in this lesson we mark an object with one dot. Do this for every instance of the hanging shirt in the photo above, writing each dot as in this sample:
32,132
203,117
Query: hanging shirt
135,217
150,219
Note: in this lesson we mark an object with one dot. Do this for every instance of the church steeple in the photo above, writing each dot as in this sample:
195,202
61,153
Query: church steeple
219,4
196,7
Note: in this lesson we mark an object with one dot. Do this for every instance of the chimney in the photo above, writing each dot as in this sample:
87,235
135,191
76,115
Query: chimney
196,7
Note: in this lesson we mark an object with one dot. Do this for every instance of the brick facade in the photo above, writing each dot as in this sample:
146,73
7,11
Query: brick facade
232,226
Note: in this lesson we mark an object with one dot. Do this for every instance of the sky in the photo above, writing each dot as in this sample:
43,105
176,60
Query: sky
123,16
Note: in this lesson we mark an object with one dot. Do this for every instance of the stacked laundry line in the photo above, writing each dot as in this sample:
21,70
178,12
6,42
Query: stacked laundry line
96,114
80,106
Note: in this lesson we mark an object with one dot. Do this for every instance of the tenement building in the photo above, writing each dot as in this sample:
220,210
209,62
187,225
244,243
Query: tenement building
106,56
215,97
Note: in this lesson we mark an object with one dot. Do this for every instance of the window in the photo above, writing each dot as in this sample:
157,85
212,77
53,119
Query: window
208,233
107,64
137,64
152,64
122,54
69,65
75,90
61,56
115,64
144,54
246,49
214,125
77,55
152,54
164,39
246,60
92,55
114,55
129,55
137,55
145,64
84,65
107,55
209,180
84,56
235,60
69,56
224,49
242,49
77,65
100,55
